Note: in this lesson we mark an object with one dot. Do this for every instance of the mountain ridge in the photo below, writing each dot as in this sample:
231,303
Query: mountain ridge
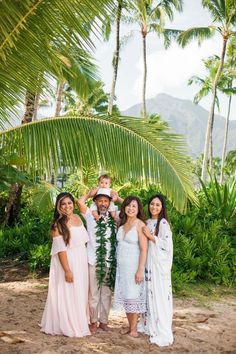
185,117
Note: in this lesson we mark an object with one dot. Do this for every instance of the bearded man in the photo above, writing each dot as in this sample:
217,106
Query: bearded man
101,256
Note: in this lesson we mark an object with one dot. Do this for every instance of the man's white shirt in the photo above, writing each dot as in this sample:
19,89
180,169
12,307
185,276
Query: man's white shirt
92,244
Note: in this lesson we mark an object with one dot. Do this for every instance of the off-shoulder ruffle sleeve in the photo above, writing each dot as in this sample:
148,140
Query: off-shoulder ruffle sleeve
58,245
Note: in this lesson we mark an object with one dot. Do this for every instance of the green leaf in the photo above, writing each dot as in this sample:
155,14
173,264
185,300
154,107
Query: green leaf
131,147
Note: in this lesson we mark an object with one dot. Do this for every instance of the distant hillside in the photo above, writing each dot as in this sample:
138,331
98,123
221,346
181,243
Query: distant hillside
184,117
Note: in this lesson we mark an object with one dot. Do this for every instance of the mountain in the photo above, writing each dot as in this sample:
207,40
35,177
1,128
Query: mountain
185,117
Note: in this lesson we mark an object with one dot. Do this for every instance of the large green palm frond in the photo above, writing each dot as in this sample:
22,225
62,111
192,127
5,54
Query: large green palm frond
56,19
35,38
131,147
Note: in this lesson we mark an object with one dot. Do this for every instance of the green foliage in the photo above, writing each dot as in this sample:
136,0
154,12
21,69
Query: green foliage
204,238
26,238
39,258
82,181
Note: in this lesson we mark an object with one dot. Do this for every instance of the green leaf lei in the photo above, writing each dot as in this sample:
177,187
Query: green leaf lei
101,228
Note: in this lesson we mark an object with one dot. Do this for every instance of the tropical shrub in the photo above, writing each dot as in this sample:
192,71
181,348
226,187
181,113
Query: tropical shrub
39,257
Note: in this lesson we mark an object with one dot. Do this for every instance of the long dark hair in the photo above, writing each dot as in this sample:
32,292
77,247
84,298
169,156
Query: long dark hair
59,220
163,213
127,201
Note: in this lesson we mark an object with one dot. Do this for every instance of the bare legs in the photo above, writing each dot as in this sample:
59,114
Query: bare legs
132,329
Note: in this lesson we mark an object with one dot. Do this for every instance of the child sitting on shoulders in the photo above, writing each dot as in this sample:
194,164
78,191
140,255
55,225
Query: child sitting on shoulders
104,181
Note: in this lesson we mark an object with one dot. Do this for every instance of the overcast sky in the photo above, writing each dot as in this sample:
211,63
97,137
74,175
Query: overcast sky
168,70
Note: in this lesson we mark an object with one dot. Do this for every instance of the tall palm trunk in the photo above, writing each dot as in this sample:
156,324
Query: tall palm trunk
225,141
36,106
211,164
13,204
211,112
59,97
116,58
144,110
29,107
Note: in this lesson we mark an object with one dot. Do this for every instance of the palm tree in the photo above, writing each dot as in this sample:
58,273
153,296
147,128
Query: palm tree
224,21
131,147
34,37
211,64
150,17
116,57
228,89
230,163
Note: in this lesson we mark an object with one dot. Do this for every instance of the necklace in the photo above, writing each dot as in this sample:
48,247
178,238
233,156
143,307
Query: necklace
101,252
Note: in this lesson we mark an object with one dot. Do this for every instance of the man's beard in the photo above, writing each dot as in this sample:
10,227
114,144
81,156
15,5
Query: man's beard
102,210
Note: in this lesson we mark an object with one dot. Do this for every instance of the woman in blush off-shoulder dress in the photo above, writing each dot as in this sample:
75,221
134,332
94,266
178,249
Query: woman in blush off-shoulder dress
66,309
130,294
157,321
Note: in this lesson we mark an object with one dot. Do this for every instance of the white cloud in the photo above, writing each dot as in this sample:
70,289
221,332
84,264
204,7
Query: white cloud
171,69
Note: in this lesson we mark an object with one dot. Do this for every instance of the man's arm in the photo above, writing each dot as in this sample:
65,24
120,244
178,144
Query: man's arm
116,198
82,200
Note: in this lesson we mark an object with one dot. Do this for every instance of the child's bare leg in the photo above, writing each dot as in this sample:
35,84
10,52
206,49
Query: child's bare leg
95,215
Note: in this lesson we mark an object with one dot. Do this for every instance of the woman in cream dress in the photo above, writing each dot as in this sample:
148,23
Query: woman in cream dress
66,309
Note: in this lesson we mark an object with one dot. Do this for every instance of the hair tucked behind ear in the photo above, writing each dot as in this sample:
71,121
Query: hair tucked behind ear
59,220
163,213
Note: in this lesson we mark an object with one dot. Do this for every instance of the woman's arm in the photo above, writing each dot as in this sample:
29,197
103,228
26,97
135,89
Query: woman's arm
148,234
143,245
63,260
82,200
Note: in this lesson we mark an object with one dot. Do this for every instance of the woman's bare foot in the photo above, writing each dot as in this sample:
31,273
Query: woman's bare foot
125,330
134,334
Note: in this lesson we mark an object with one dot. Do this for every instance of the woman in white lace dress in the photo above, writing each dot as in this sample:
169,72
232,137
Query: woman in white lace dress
157,321
130,294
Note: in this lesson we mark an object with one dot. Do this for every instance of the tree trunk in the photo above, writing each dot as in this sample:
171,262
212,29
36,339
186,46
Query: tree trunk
144,110
36,106
211,164
13,204
116,58
29,107
225,142
211,112
59,98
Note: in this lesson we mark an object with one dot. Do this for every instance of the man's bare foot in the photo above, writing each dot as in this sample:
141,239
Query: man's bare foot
104,327
133,334
93,328
125,330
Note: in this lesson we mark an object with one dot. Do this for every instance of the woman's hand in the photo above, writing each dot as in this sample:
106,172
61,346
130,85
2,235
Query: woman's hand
69,276
138,277
147,233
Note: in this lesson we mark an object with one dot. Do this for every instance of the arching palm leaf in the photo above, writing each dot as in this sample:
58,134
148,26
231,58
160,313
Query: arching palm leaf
34,39
130,146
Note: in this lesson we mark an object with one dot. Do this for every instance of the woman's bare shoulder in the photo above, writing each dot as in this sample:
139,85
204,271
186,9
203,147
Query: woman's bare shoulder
54,231
140,224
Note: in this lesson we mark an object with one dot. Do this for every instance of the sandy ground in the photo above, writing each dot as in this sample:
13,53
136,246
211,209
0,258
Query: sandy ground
197,329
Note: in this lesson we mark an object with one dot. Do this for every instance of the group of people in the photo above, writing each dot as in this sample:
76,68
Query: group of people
121,253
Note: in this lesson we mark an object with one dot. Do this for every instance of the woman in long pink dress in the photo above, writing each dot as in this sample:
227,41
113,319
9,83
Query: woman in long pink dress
66,309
